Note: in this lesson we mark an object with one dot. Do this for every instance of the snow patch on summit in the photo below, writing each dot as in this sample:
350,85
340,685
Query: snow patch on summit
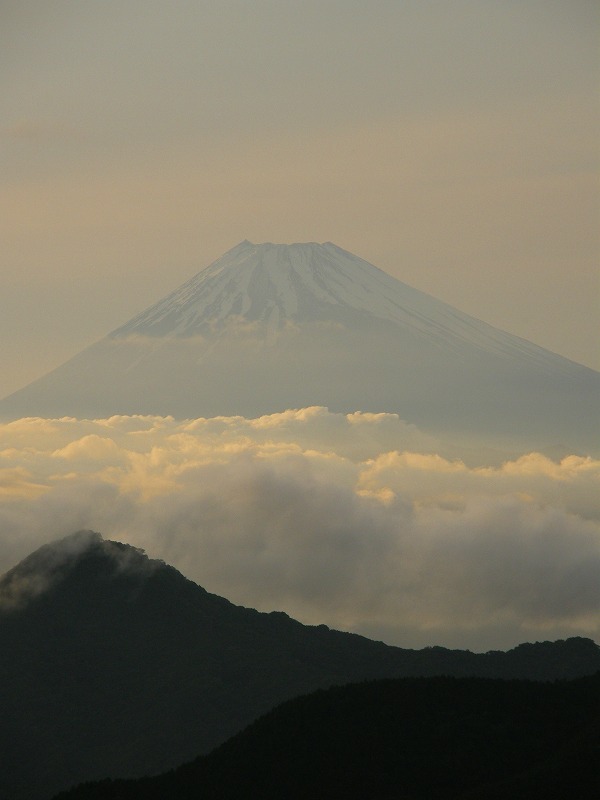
277,284
270,283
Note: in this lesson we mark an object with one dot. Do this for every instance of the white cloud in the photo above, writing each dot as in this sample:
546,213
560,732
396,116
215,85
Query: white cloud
333,518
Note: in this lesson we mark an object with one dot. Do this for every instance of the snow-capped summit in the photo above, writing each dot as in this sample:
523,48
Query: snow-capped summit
271,326
274,285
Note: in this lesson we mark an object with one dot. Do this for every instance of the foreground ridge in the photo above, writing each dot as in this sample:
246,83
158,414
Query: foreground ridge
113,648
411,737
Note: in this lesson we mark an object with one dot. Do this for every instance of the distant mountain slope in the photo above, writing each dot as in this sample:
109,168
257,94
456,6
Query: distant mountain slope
419,739
112,664
279,285
269,327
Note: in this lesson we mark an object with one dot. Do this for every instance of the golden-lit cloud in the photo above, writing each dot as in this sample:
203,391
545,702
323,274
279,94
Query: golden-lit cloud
333,518
17,483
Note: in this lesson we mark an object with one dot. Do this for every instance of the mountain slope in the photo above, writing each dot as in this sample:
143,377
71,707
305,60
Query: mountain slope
409,738
269,327
112,664
280,284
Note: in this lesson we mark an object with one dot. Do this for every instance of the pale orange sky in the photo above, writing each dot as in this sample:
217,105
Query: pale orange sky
452,144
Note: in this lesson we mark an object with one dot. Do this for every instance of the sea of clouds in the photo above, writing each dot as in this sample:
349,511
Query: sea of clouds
359,521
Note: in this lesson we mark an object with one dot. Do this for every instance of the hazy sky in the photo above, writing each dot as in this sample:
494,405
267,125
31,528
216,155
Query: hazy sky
452,144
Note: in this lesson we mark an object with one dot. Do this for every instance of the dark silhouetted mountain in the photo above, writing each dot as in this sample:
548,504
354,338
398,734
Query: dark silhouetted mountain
269,327
115,665
407,739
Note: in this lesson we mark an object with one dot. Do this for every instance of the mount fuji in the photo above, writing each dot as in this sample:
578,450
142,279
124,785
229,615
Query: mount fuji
269,327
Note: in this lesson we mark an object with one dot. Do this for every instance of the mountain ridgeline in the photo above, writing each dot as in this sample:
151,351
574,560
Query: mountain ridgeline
269,327
115,665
